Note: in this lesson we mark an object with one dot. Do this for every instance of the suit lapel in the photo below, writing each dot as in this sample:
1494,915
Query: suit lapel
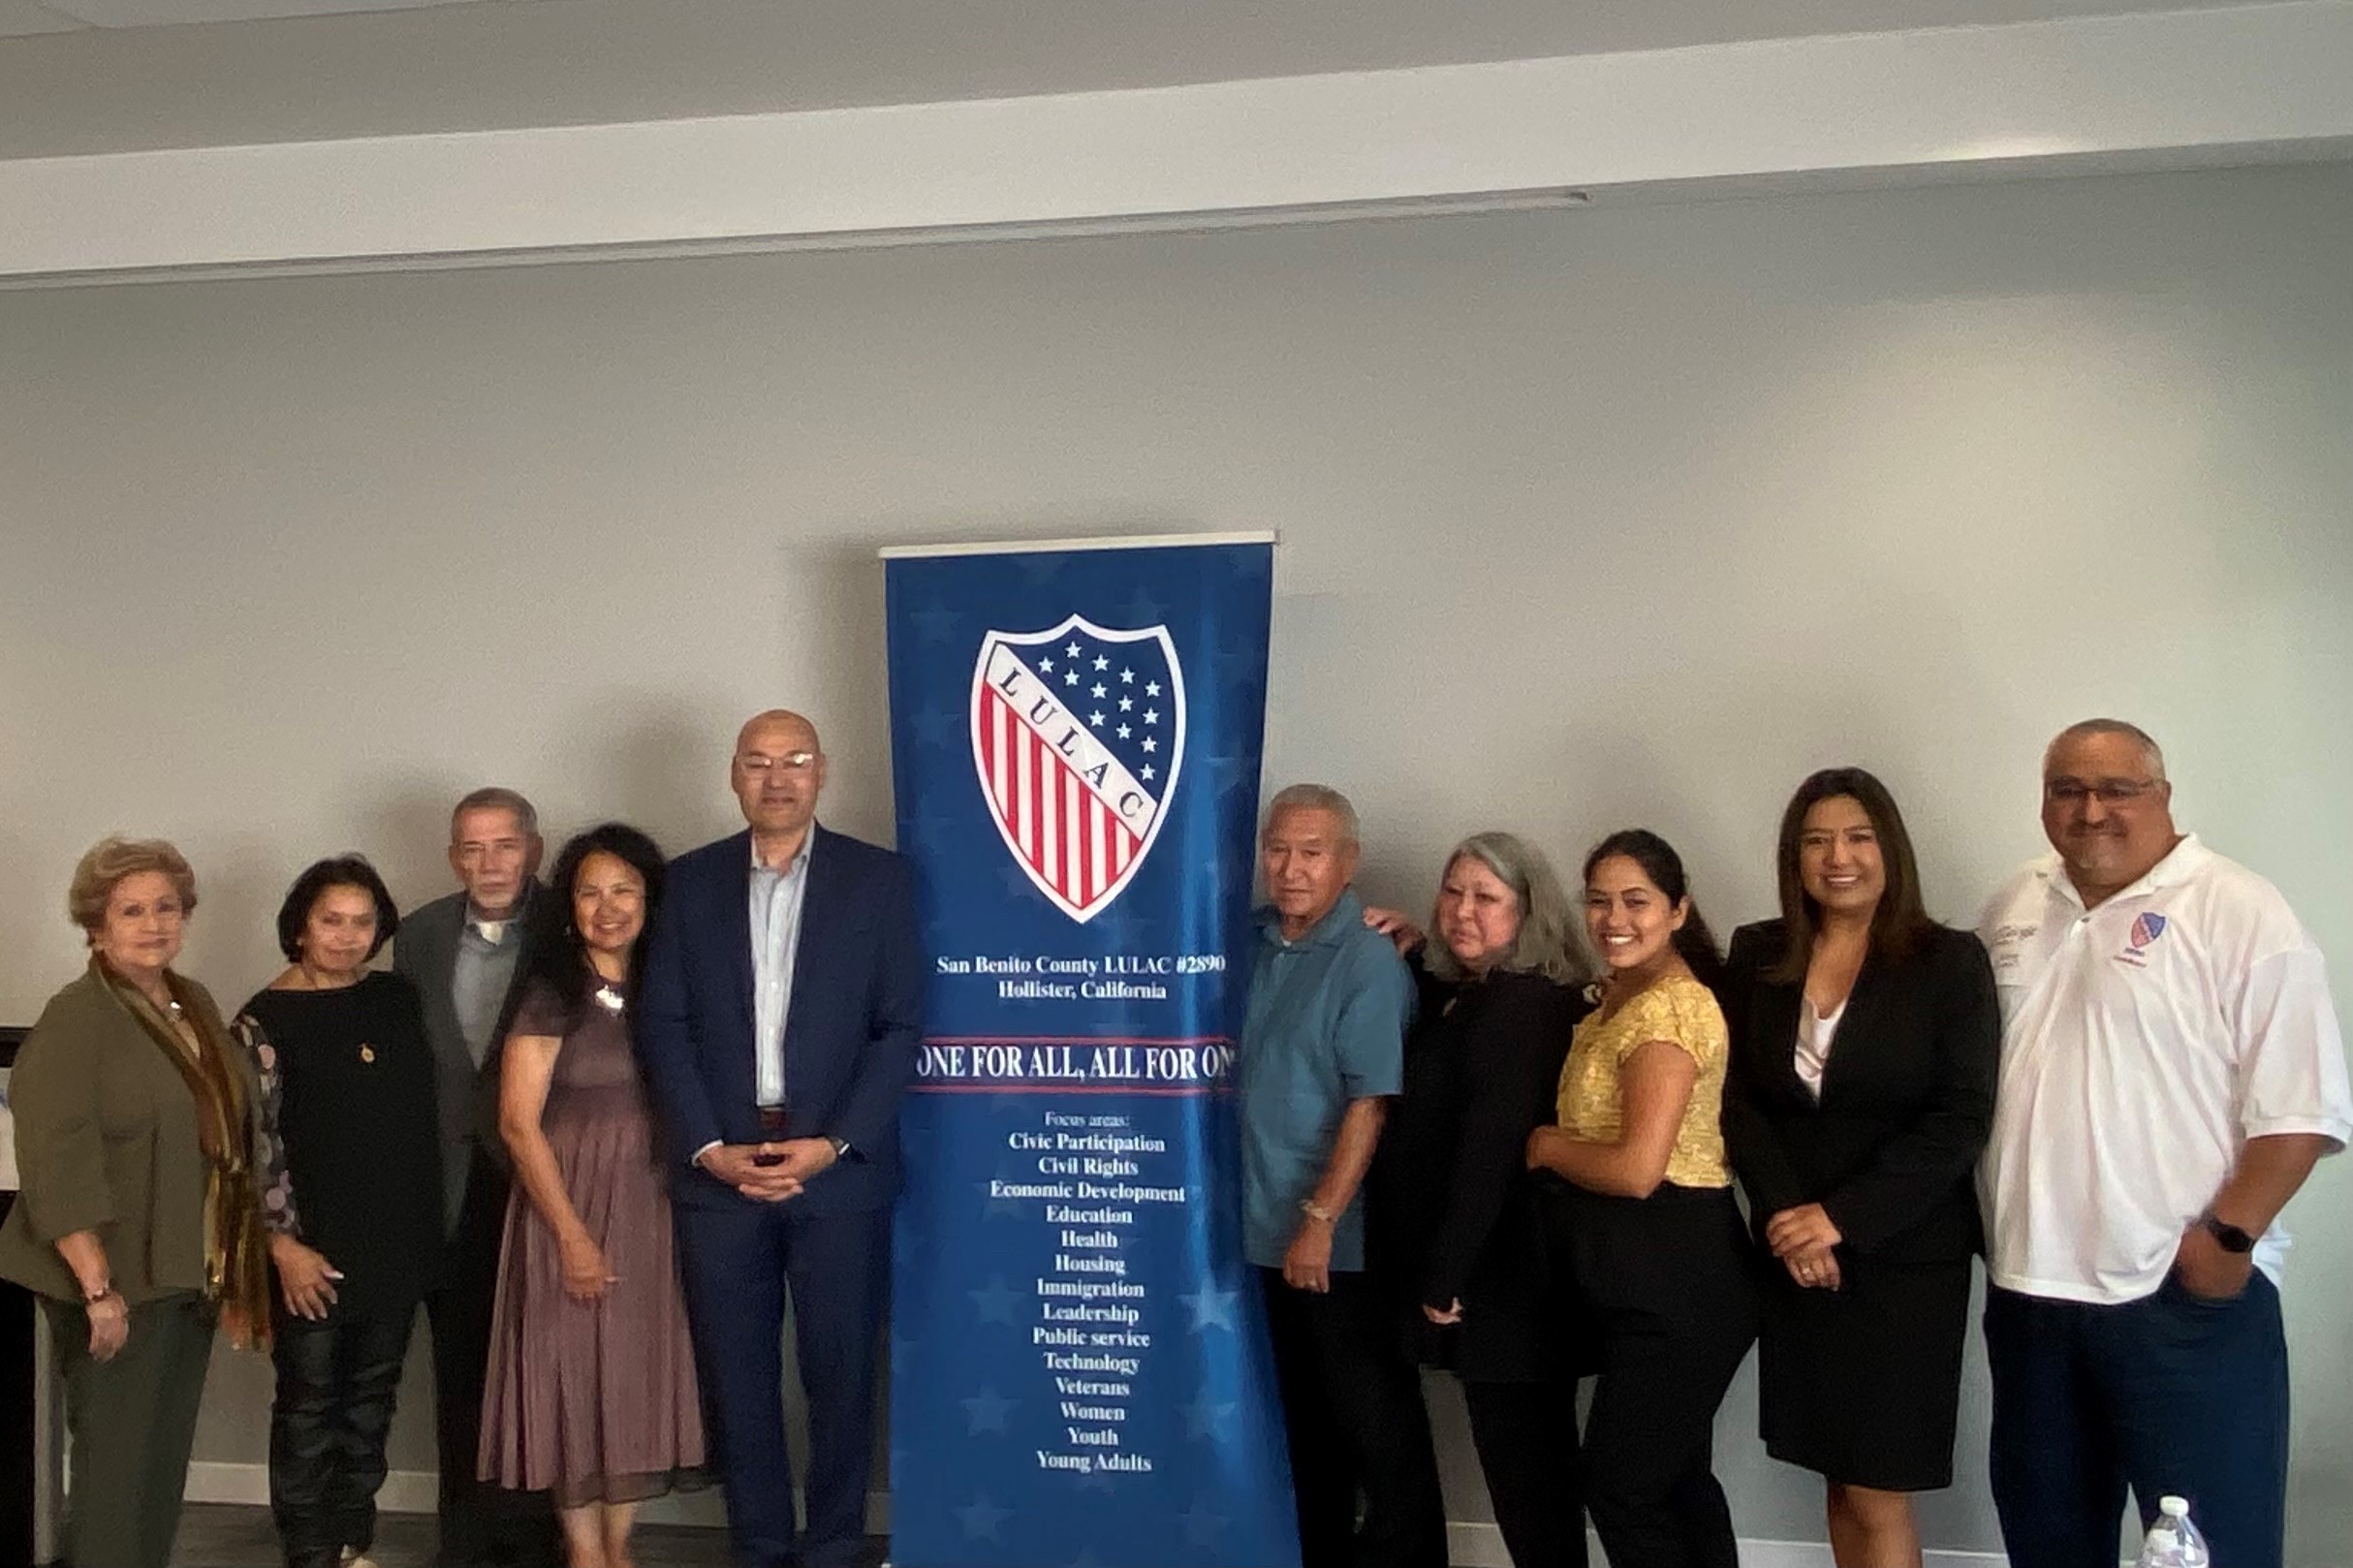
1855,1022
1782,1008
816,902
437,965
735,918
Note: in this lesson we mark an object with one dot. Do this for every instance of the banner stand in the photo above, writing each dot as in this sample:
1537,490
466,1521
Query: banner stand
1079,1373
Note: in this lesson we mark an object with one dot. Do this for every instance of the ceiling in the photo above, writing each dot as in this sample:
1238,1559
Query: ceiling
117,76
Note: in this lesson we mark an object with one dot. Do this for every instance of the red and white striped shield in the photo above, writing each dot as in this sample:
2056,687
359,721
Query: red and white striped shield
1078,734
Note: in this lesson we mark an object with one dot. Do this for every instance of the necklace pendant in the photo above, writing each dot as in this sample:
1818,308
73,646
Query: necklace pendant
367,1053
610,1000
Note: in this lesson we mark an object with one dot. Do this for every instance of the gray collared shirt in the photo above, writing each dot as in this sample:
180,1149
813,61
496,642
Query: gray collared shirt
778,894
483,974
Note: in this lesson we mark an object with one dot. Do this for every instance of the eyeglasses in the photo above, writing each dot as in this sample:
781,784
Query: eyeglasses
792,762
2074,791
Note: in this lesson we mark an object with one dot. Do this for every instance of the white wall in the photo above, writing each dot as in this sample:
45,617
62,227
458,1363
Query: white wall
1589,519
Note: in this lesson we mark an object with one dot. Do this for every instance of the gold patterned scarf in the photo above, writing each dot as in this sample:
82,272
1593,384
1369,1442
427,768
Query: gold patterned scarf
237,1259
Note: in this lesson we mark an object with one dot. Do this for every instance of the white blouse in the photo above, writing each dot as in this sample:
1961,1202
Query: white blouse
1814,1033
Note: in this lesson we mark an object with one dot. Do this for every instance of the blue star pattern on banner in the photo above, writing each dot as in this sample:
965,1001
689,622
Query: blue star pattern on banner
987,1411
981,1518
1211,1307
1080,1372
996,1303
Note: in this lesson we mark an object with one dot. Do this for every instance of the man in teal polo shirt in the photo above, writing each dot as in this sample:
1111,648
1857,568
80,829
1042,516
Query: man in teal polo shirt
1322,1050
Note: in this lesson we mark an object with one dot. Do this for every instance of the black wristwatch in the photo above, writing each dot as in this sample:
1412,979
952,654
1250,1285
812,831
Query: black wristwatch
2230,1236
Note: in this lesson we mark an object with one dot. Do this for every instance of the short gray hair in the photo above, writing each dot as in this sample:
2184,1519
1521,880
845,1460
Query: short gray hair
1316,798
1547,924
2086,728
492,797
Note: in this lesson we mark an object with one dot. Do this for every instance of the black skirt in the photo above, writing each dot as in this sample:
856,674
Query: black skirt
1863,1383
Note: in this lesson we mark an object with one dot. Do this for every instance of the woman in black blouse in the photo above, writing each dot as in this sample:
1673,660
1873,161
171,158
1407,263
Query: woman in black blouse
1453,1233
351,1199
1864,1043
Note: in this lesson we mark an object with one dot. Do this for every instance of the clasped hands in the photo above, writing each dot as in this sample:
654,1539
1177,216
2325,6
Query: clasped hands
1802,1238
770,1172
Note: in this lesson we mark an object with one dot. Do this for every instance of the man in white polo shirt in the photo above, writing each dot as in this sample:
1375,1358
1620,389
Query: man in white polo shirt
2171,1070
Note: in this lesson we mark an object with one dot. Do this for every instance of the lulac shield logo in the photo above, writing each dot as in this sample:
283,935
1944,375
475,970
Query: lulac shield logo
1078,734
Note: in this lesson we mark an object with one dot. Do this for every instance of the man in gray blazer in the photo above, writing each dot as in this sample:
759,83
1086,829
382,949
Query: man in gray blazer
465,956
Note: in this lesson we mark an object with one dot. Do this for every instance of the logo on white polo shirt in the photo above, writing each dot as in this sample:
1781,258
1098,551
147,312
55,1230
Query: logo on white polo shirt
2005,944
2147,928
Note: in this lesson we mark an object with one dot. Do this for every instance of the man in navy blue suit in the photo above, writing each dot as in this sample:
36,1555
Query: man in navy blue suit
779,1017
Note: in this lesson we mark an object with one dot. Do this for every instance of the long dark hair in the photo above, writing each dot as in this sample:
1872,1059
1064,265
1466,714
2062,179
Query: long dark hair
1900,923
558,956
1695,944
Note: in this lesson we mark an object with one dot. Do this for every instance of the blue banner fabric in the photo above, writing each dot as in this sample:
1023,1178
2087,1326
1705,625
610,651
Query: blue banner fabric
1079,1370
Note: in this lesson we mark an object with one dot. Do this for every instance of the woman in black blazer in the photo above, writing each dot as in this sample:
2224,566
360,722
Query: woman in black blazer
1863,1043
1455,1236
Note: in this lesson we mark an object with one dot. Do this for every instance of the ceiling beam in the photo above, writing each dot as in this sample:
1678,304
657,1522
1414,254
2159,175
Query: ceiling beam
2249,83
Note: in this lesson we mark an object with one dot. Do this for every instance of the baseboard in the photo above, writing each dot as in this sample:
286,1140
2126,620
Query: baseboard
1481,1545
415,1492
1469,1544
1816,1555
405,1492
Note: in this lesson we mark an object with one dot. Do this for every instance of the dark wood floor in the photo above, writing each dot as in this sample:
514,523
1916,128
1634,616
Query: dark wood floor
221,1535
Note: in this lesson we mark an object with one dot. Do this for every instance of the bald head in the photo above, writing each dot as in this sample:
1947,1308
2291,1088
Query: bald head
778,772
780,725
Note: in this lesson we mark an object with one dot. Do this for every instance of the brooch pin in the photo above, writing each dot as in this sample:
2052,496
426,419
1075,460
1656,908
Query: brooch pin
367,1053
610,999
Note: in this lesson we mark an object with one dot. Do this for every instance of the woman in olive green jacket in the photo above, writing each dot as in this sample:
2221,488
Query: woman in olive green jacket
137,1219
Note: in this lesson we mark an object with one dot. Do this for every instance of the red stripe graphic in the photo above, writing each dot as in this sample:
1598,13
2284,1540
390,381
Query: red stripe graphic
1072,839
1040,773
989,748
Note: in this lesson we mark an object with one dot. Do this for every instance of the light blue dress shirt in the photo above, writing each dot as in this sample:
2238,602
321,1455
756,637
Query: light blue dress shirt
778,894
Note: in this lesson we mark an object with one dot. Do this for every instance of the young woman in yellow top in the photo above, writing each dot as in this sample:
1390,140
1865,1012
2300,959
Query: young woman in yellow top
1646,1242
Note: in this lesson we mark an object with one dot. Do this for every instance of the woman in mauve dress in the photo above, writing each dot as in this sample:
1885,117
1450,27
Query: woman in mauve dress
591,1385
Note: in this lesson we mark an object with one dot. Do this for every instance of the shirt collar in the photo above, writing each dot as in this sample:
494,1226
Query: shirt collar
507,925
2182,862
1330,931
799,864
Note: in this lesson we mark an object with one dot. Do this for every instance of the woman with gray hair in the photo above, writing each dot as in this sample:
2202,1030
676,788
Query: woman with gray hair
1455,1233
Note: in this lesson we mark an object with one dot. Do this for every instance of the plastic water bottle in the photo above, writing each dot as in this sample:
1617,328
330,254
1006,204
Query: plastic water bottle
2173,1541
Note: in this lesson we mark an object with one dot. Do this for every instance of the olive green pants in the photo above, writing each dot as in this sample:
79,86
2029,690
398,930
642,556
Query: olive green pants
129,1422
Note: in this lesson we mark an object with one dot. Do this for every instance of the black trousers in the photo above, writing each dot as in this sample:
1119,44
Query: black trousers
481,1523
1352,1411
1526,1434
337,1381
1664,1289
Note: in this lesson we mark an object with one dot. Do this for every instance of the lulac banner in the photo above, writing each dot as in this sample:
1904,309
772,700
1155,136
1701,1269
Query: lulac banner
1079,1370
